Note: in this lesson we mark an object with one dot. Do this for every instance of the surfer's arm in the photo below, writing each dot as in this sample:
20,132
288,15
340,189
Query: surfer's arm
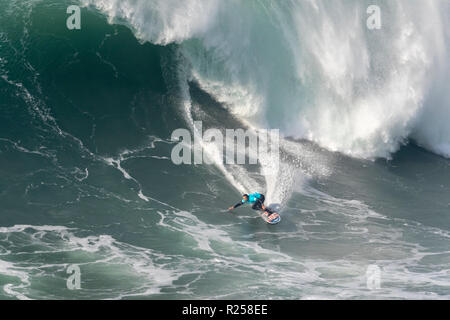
235,206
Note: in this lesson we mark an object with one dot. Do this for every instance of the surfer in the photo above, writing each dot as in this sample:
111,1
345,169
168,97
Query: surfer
255,199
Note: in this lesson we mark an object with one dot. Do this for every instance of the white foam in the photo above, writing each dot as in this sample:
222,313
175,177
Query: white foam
161,22
318,72
8,268
134,261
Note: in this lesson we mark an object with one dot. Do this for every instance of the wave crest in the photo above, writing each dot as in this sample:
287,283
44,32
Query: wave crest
313,69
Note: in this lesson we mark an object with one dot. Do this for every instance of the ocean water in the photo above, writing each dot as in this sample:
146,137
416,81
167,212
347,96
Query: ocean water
86,176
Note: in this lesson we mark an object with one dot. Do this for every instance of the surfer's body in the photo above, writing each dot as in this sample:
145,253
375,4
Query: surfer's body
255,199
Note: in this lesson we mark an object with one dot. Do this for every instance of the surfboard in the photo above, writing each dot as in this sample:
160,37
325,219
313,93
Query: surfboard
273,218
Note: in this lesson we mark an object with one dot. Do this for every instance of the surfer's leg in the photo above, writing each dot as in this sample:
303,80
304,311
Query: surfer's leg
263,207
260,202
257,205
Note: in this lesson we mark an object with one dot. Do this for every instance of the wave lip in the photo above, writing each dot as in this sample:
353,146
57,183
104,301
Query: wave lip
160,22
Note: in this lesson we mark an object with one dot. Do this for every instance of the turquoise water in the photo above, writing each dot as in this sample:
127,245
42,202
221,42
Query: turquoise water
86,118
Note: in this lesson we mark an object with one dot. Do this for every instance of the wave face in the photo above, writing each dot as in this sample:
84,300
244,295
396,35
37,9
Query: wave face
313,68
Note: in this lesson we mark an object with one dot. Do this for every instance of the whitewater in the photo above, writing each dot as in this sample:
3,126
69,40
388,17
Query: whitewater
312,68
